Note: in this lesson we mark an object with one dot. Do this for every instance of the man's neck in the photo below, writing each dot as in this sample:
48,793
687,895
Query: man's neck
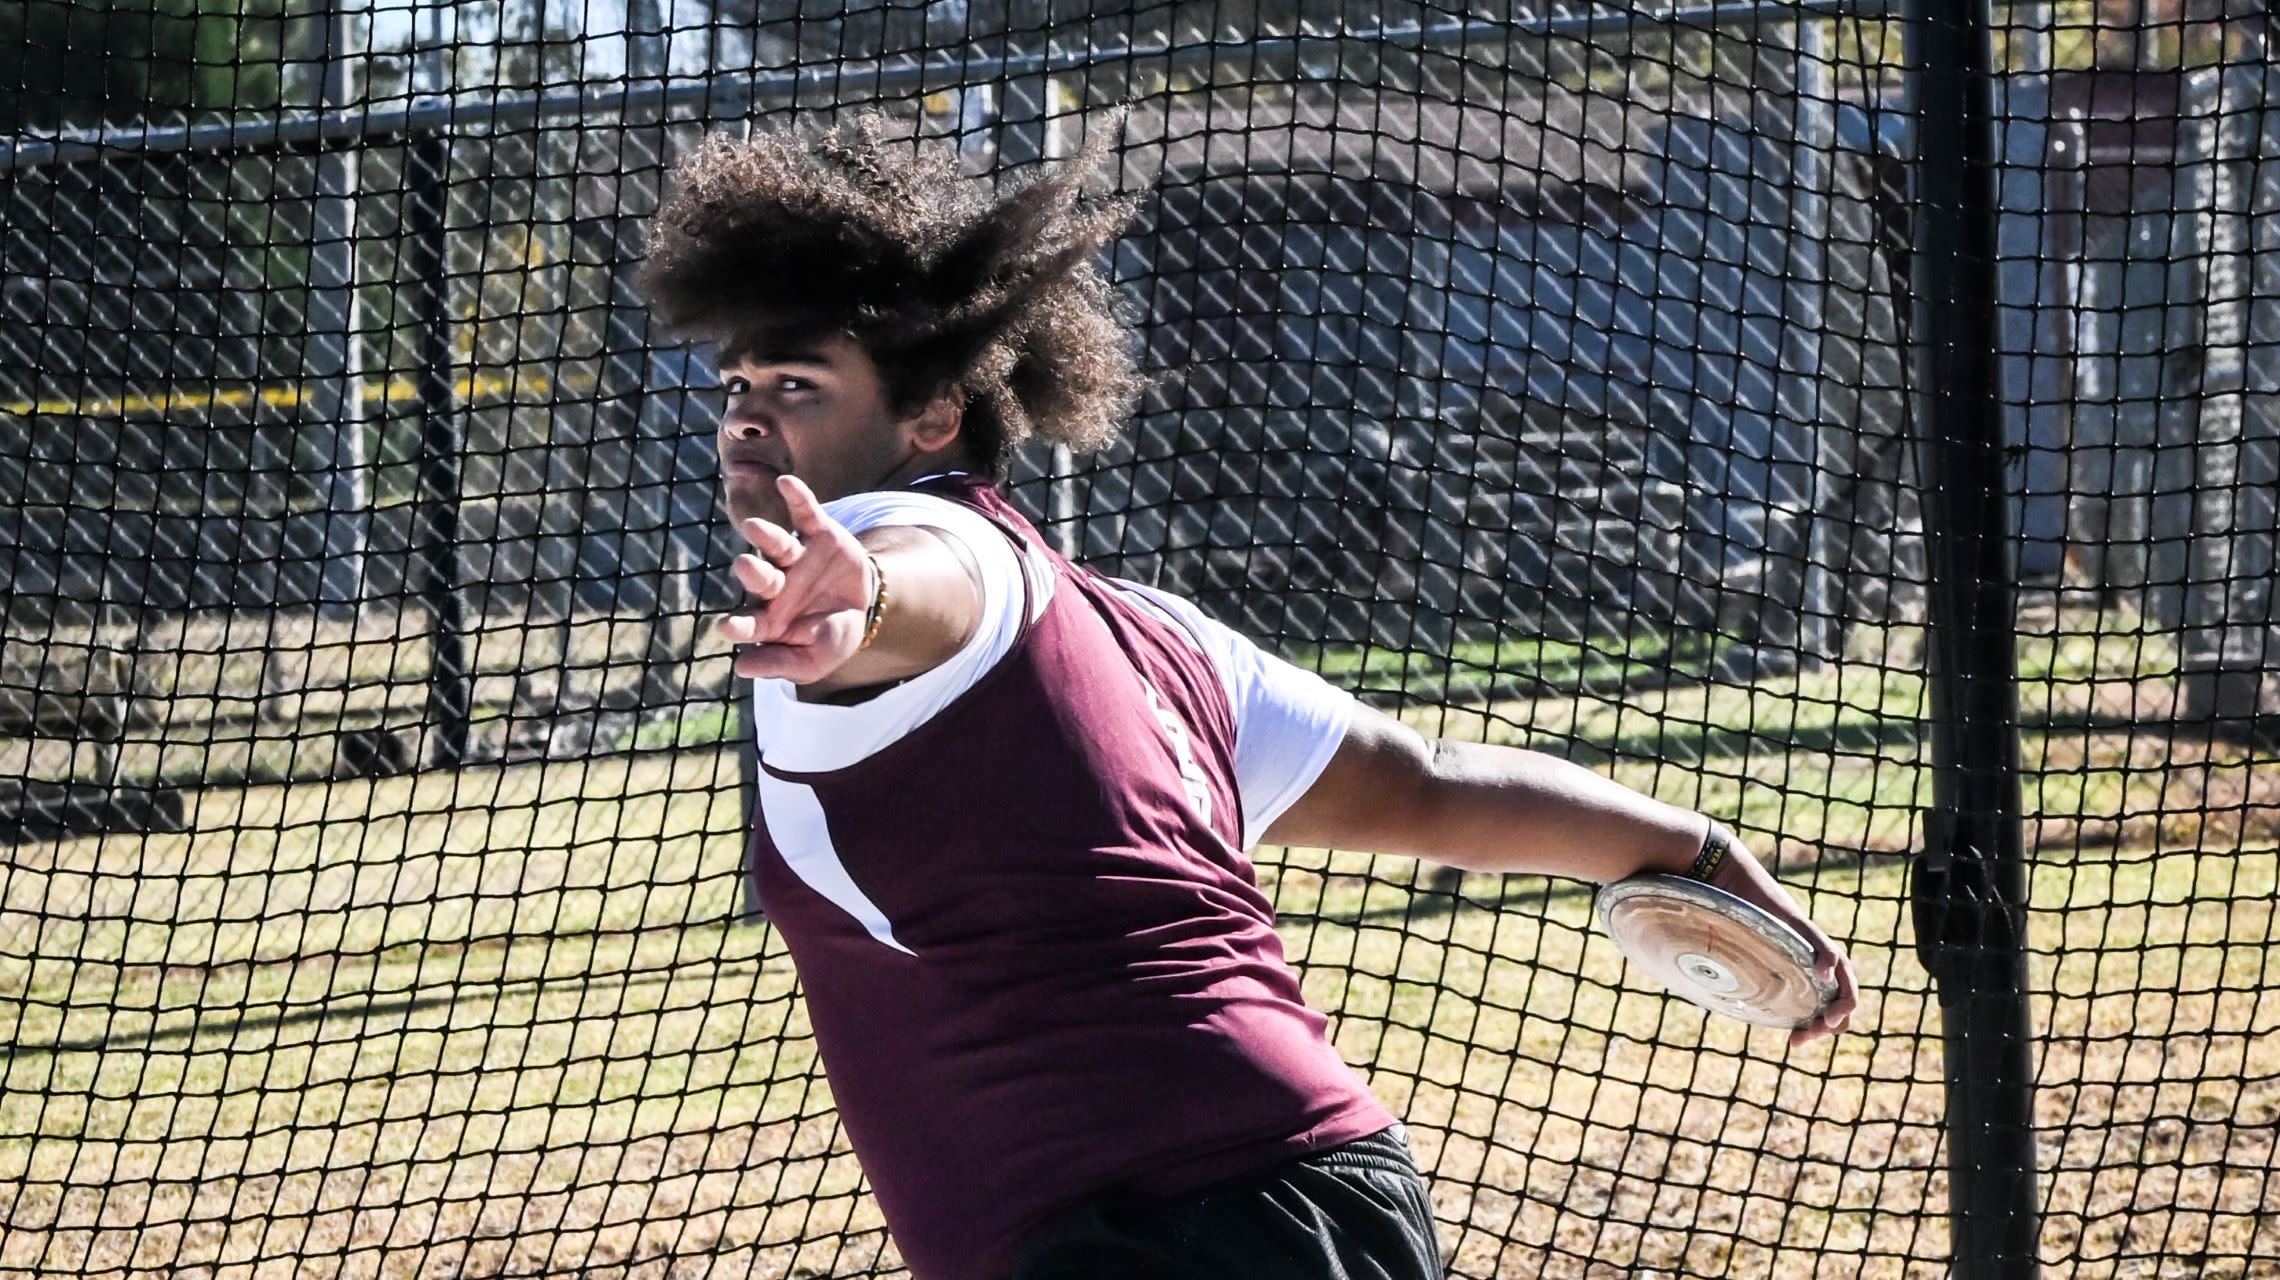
920,466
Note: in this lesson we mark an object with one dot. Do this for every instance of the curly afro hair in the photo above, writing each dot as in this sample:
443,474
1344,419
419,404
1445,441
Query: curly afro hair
849,230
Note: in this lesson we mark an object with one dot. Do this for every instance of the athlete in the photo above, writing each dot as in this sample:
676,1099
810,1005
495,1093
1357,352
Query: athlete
1004,800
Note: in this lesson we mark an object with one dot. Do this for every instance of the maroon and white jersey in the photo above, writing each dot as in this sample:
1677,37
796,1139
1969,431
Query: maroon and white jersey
1037,963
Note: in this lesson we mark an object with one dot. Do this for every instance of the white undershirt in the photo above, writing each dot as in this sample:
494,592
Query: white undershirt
1288,721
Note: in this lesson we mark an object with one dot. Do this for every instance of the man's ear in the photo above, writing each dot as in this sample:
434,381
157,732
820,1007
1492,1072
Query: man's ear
936,425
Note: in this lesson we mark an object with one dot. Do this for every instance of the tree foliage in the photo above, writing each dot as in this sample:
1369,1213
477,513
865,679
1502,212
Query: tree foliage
82,62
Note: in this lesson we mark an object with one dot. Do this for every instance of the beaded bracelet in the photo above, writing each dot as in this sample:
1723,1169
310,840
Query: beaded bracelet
1716,843
877,613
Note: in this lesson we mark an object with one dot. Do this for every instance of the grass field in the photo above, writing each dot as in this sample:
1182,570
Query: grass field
499,1021
228,699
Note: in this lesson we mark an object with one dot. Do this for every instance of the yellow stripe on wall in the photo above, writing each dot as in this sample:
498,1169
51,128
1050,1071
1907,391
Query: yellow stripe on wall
388,391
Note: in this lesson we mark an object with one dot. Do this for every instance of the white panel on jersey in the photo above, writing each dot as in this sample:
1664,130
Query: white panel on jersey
1289,721
796,823
814,737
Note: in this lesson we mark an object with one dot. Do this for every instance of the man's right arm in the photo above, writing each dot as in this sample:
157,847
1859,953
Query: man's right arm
1482,807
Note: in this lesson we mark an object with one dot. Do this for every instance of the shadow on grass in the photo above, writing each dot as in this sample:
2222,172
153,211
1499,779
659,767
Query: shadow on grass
1691,744
366,1005
1608,680
1603,666
362,763
2048,720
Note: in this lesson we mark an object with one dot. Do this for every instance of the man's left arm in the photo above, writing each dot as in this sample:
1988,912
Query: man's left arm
1387,789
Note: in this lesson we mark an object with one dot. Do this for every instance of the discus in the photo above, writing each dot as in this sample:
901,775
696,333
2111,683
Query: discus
1714,948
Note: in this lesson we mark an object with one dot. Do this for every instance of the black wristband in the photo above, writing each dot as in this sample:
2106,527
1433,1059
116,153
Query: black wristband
1717,842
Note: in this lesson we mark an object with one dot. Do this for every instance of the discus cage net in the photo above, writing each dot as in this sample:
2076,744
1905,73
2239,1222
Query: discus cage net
1628,384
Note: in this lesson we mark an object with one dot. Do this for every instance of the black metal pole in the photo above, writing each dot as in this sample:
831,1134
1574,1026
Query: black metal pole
748,792
1969,887
435,519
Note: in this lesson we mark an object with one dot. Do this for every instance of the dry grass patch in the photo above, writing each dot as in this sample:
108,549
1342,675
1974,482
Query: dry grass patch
1578,1126
219,698
498,1022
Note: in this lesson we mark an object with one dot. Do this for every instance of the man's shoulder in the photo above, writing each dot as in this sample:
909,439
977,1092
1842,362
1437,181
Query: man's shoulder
890,505
956,498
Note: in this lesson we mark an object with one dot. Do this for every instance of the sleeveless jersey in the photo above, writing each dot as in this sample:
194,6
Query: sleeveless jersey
1059,977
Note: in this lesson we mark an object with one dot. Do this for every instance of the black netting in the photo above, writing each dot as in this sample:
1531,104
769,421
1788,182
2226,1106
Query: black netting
370,780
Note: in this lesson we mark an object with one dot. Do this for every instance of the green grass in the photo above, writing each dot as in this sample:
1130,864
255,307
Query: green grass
400,998
499,1021
1836,760
2065,648
1505,1030
246,699
699,727
1482,670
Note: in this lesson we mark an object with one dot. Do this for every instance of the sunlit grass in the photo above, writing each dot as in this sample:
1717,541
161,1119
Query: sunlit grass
503,1020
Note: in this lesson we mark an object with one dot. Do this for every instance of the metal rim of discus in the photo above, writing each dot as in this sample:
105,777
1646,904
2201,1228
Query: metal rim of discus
1714,948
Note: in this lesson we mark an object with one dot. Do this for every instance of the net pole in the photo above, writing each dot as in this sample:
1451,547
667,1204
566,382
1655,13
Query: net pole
747,796
1059,141
1811,126
653,480
436,537
331,362
1031,132
1969,888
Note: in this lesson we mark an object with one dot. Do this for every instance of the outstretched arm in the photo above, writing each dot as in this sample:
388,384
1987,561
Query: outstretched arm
1491,808
811,590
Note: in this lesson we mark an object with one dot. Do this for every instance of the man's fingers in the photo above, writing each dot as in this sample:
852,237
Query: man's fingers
1848,995
766,623
796,663
1839,972
1814,1030
746,627
806,513
1828,1022
800,650
1836,969
806,630
798,656
756,575
771,540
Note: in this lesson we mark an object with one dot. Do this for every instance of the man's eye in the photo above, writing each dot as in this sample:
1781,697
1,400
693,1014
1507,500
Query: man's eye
790,385
735,386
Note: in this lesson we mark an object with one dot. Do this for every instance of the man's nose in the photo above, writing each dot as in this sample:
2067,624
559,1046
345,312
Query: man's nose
744,426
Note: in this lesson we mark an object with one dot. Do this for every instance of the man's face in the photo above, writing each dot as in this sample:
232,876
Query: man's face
817,410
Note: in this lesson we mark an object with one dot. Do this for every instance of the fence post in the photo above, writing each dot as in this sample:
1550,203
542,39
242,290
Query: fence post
1969,887
748,795
655,526
1030,133
332,365
435,518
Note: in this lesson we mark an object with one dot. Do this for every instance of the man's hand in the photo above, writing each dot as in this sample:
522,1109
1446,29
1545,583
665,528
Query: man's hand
808,592
1746,878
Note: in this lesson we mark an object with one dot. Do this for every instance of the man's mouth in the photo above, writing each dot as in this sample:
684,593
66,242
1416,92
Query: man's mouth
737,464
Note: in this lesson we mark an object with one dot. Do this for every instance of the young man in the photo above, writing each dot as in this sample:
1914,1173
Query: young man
1004,799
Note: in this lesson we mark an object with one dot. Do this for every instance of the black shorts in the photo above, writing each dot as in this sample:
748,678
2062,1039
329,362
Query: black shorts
1354,1212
